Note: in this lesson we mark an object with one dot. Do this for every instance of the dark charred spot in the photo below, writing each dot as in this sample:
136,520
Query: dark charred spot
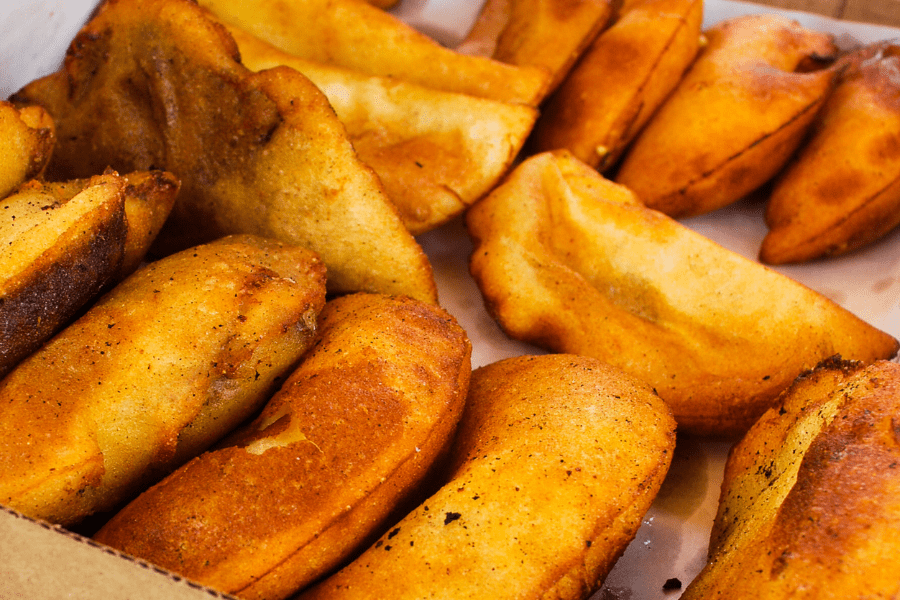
671,584
451,516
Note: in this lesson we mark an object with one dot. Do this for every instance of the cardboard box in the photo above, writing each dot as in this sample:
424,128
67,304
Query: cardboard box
38,560
41,561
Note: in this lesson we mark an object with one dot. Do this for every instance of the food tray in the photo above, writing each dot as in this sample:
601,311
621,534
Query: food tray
671,544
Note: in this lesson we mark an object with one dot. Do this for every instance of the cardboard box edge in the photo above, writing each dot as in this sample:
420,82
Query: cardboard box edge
39,560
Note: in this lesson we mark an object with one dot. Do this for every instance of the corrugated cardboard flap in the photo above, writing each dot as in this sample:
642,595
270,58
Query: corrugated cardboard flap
43,561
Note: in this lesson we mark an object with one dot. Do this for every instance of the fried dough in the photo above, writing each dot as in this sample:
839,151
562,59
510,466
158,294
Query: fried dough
842,191
622,78
157,84
734,120
165,364
333,31
435,152
547,34
717,335
149,198
351,434
810,504
58,249
27,136
556,462
64,243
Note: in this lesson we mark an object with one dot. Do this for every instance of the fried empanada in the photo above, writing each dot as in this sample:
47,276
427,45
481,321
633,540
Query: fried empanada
734,120
810,503
27,135
149,198
537,33
842,191
64,243
435,152
623,77
361,37
556,462
344,443
165,364
58,249
157,84
717,335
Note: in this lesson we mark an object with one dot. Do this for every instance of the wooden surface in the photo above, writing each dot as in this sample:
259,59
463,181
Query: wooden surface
884,12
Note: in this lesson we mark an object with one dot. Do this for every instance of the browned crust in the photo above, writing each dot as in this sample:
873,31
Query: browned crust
830,531
368,411
45,297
